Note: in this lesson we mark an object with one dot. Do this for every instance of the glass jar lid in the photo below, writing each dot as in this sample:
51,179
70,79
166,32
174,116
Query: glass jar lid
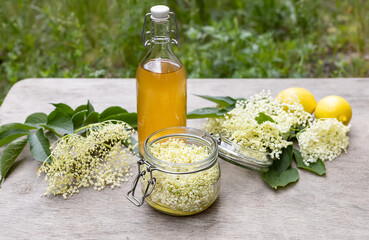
243,156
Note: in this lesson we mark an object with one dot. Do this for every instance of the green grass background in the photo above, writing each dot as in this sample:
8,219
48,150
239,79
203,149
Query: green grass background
219,39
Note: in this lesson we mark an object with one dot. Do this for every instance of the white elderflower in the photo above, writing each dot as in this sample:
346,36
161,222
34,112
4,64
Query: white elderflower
95,160
240,124
175,150
325,139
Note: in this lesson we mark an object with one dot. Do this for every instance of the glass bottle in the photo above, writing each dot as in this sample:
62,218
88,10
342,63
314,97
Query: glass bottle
161,78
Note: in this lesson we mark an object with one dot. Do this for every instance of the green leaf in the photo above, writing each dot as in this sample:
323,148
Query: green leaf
40,145
129,118
60,122
282,164
318,167
262,117
10,135
10,126
80,108
78,119
89,108
36,119
231,107
281,173
112,111
221,112
9,155
93,117
207,112
220,100
64,108
276,180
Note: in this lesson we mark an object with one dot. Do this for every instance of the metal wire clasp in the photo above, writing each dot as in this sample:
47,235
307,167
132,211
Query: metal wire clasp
144,34
176,31
218,139
148,190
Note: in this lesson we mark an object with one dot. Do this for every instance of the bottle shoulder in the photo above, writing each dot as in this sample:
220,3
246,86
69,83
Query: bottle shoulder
161,60
161,65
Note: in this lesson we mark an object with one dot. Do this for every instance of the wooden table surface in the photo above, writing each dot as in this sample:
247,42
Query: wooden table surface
335,206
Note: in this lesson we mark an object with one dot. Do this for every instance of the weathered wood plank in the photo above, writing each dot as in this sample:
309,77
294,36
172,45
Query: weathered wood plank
330,207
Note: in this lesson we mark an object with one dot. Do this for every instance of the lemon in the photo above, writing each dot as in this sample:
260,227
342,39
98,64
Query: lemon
305,97
334,107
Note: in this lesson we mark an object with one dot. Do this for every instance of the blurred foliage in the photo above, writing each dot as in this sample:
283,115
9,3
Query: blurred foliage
219,39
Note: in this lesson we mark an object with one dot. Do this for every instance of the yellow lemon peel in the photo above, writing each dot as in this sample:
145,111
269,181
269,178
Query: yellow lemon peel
303,96
334,107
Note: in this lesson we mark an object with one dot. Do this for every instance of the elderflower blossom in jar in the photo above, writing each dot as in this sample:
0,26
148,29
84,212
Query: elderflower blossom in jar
179,173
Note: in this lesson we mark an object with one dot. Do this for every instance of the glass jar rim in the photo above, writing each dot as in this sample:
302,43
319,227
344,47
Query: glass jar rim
201,164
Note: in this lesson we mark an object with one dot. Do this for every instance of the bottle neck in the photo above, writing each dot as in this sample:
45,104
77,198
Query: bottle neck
160,34
160,41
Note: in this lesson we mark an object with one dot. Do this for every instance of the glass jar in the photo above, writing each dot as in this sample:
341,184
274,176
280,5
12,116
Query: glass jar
178,188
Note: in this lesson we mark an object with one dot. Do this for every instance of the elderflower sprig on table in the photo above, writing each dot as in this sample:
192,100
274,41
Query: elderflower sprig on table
269,125
97,160
324,139
241,126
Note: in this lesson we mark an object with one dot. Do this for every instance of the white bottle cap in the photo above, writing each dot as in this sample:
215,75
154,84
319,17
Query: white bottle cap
159,12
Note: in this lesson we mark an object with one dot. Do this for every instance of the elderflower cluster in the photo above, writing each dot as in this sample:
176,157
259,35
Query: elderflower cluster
189,193
325,139
175,150
97,160
240,124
